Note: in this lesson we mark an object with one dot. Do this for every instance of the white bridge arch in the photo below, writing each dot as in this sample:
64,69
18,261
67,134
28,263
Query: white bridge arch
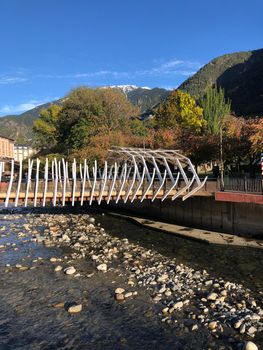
127,174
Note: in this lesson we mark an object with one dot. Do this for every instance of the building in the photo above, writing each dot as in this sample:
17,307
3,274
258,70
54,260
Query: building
6,148
22,152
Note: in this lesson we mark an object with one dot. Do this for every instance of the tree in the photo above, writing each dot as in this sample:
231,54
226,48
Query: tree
89,112
200,148
215,108
180,111
237,144
257,137
138,127
46,128
100,144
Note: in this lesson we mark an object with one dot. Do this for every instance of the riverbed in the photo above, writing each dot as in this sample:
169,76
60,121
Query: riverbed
174,293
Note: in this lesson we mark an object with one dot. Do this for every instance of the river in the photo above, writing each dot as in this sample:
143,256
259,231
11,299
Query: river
34,299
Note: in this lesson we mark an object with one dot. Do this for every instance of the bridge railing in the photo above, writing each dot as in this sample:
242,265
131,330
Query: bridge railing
242,184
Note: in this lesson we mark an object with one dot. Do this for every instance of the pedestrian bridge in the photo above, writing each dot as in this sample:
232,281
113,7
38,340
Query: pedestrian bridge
128,174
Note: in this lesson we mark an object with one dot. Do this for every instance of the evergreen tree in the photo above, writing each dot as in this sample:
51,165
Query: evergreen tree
215,108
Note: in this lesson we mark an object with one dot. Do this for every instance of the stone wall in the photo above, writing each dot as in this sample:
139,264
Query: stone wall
244,219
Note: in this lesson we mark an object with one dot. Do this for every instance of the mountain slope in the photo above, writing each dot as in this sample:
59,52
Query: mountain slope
19,127
239,74
147,98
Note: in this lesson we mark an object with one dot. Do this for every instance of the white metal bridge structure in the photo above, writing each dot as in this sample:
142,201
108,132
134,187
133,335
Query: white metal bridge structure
128,174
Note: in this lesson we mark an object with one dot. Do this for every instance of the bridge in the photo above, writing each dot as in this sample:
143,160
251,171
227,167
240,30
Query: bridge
127,174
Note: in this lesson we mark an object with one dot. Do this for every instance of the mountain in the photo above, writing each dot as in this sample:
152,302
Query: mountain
19,127
126,88
146,98
240,74
143,97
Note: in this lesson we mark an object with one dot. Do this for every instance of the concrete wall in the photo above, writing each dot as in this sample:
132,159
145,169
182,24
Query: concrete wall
244,219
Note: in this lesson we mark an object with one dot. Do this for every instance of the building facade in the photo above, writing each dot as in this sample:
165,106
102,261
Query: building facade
6,148
22,152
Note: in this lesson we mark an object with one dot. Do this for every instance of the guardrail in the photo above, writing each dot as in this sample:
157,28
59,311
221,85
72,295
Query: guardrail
242,184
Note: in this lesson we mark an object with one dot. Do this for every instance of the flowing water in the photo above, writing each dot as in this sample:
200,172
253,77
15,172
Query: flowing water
29,320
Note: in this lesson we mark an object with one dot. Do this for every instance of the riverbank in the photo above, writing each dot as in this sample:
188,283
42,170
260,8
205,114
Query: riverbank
131,296
205,236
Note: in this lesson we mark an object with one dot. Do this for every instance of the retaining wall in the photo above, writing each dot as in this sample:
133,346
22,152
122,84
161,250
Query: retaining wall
244,219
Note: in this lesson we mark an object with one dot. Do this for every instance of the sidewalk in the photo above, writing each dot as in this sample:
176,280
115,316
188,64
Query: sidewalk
200,235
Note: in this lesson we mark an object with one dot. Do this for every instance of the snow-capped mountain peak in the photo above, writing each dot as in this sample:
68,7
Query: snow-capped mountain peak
126,88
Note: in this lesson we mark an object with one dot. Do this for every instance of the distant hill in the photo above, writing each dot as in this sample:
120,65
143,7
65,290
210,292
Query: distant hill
241,76
147,98
19,127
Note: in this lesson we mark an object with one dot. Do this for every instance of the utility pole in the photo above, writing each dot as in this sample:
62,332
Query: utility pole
221,158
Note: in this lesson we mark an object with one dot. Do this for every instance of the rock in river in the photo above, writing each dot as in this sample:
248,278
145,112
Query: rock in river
102,267
212,325
70,270
250,346
73,309
119,290
119,297
178,305
58,268
212,296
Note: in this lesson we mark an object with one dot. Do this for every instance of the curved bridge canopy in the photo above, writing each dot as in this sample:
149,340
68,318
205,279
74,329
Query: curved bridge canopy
128,174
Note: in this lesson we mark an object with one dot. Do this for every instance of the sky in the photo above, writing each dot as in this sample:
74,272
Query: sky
49,47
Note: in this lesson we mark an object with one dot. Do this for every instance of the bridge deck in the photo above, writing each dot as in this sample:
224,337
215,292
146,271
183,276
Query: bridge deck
68,195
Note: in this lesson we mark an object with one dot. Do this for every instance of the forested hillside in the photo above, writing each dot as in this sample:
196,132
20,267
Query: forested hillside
239,74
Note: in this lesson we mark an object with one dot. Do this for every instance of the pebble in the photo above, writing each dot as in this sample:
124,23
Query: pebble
53,259
59,305
212,296
252,330
194,327
178,305
119,297
75,309
102,267
128,295
165,310
70,270
242,329
58,268
212,325
119,291
238,324
162,290
168,293
209,283
250,346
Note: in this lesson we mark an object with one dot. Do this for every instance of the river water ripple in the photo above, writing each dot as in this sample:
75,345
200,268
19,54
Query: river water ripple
29,320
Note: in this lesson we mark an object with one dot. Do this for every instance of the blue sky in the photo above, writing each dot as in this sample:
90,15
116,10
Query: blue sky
49,47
